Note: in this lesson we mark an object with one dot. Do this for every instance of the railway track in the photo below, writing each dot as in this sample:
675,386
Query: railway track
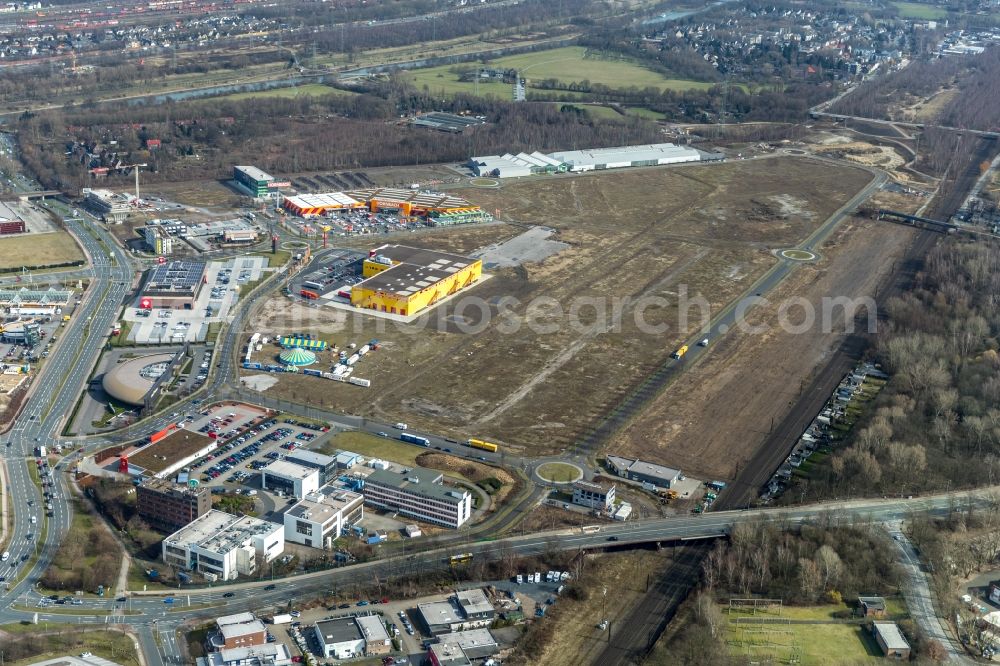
633,637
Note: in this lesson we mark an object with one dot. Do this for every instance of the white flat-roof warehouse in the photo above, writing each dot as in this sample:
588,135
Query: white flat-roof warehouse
626,156
526,164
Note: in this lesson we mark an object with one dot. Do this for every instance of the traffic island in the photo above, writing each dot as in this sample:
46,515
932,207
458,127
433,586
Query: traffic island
558,472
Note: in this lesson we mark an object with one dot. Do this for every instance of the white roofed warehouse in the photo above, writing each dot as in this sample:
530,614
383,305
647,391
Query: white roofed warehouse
591,159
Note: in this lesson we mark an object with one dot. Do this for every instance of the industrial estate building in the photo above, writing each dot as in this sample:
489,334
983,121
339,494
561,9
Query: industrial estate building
441,209
236,631
347,637
462,648
594,159
169,507
175,285
319,518
891,641
290,479
222,546
110,206
645,472
269,654
418,493
465,610
594,495
405,280
10,221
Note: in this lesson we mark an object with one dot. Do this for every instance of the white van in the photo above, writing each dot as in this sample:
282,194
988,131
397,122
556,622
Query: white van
5,556
400,426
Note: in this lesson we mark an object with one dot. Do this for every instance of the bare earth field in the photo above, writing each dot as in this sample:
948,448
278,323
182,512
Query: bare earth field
632,235
713,418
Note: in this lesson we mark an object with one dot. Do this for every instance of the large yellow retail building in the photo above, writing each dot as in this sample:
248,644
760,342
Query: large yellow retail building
405,280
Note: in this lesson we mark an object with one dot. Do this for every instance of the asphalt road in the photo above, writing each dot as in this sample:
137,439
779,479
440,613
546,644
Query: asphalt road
62,378
919,599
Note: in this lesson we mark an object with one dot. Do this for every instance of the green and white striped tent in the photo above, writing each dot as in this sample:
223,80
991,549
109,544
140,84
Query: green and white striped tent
290,342
297,357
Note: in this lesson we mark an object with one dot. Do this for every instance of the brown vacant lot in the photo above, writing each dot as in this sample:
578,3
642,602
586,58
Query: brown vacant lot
632,235
711,420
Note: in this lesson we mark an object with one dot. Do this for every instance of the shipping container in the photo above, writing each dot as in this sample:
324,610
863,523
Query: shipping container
357,381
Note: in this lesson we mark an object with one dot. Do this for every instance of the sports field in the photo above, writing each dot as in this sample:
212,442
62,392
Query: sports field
811,635
57,247
537,378
567,64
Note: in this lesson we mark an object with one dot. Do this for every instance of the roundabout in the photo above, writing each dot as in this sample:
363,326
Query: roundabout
558,472
484,182
797,255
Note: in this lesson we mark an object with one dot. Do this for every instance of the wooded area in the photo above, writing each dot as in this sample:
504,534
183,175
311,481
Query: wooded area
977,106
936,425
287,135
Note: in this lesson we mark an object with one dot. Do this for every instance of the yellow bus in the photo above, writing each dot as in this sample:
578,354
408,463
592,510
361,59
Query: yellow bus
461,558
480,444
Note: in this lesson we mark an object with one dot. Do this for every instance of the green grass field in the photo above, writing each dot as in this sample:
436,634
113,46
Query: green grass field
645,113
565,64
824,643
558,472
595,111
56,247
314,89
371,446
813,644
916,10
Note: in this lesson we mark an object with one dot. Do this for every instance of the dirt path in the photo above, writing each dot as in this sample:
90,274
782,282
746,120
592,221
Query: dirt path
711,421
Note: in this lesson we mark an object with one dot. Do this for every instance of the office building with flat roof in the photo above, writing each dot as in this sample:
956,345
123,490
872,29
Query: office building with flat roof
594,495
222,546
168,507
319,518
418,493
326,465
290,478
254,181
158,240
